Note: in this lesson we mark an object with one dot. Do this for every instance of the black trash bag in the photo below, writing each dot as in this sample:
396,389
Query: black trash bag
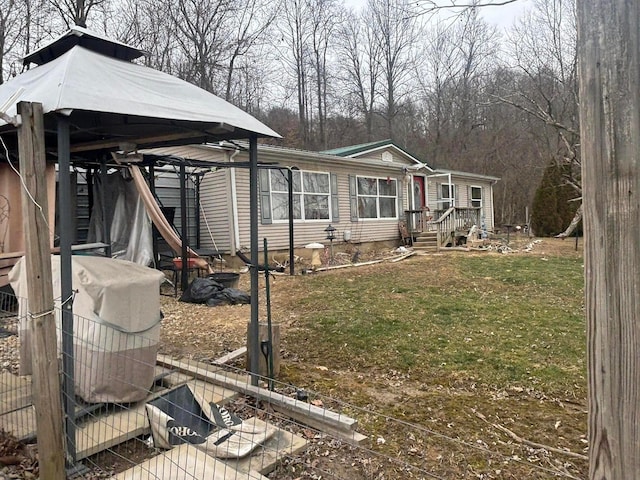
217,300
229,296
200,290
237,297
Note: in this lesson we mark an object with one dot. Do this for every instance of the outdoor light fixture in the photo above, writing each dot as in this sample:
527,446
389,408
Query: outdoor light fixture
331,235
330,232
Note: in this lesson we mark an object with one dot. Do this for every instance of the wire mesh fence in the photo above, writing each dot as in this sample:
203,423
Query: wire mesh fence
141,414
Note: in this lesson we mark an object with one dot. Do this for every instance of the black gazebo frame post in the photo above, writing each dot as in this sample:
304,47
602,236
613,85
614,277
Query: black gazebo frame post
66,288
254,342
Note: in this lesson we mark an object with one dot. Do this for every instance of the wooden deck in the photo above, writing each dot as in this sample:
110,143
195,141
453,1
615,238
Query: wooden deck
17,415
185,463
110,426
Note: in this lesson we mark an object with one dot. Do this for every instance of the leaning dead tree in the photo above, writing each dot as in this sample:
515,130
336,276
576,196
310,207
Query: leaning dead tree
544,49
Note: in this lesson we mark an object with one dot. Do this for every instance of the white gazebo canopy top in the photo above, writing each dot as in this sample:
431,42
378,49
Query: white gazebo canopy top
91,80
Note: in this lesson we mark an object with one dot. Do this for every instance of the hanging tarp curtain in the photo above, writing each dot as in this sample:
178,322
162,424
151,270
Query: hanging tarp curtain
130,227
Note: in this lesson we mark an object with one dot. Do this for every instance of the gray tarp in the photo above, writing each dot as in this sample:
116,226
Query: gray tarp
117,325
131,233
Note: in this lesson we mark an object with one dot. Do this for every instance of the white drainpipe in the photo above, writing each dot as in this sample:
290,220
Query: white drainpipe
235,240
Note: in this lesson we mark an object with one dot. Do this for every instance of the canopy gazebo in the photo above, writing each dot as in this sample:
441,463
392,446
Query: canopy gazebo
95,101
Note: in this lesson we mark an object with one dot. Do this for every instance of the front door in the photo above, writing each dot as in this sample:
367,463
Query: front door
418,193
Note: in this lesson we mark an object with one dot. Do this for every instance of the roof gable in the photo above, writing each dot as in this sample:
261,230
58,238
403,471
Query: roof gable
384,150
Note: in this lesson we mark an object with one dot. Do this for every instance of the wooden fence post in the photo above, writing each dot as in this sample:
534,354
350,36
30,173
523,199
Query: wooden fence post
42,326
609,79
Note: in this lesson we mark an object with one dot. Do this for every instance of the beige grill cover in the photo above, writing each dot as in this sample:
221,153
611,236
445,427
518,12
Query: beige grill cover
116,326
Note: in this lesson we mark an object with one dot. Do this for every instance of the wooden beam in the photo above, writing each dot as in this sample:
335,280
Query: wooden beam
229,357
339,425
609,81
142,141
42,326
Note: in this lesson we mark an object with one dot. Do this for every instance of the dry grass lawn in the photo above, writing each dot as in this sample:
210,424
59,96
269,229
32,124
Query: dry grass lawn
458,348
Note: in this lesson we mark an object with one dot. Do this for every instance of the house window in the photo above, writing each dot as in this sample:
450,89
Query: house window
311,195
377,197
476,197
448,195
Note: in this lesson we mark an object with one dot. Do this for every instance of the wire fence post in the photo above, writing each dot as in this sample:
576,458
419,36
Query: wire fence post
42,328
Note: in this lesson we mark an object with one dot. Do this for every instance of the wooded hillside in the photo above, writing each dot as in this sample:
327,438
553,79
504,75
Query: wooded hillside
445,84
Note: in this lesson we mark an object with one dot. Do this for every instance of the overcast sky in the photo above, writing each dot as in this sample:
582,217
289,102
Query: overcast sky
500,15
504,15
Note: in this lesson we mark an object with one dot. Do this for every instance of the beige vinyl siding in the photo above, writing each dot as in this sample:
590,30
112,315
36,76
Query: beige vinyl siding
217,201
396,157
463,194
487,206
216,207
305,232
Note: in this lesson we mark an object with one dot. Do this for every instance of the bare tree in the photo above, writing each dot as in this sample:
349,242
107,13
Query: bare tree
396,33
249,26
23,25
76,12
11,27
326,16
360,58
201,29
544,46
295,33
147,24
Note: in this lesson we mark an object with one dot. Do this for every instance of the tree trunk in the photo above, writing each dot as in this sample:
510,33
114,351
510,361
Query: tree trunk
572,226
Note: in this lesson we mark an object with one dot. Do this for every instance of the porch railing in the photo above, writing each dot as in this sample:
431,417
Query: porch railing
446,222
418,221
455,220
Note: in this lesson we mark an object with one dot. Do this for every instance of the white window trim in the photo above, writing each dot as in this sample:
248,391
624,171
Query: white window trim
302,194
452,196
471,199
378,196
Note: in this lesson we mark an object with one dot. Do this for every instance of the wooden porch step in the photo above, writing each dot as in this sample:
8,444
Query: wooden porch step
424,247
426,241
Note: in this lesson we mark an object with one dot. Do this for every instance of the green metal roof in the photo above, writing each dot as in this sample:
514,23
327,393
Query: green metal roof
363,147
